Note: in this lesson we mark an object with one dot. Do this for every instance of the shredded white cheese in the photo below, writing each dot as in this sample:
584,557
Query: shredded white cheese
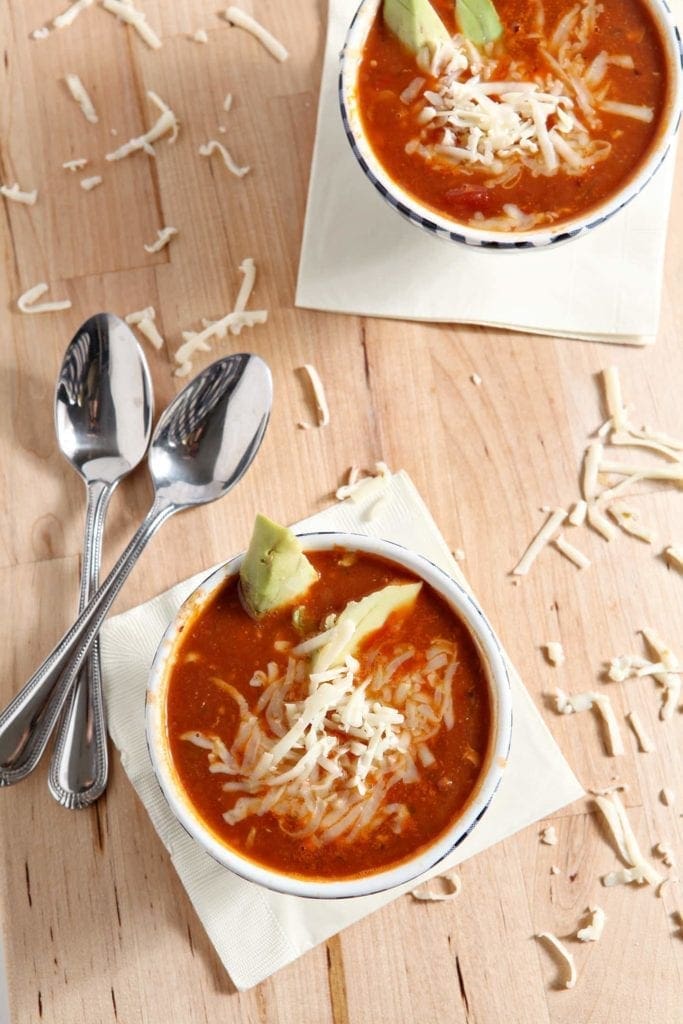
27,303
372,485
639,870
577,515
555,870
200,36
549,835
668,679
90,183
589,478
628,519
248,269
321,406
238,17
572,553
451,887
569,978
567,705
593,930
613,399
80,94
674,555
665,851
16,195
667,796
549,529
600,523
214,146
40,33
476,379
459,554
125,11
645,744
227,102
555,652
71,13
143,319
164,236
165,123
75,165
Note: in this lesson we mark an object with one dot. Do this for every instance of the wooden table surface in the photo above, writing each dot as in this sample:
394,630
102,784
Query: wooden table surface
96,926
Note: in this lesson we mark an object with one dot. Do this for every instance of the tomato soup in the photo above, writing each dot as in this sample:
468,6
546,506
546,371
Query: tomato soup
534,129
339,773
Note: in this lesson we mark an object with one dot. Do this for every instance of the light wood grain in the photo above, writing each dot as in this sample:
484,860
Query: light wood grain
96,925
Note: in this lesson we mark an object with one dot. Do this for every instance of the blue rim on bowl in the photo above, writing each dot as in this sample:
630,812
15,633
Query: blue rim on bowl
409,207
493,660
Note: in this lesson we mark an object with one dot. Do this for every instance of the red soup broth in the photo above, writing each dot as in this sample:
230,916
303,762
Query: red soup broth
222,648
622,30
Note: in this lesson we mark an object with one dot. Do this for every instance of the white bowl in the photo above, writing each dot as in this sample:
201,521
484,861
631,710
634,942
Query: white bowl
455,231
494,664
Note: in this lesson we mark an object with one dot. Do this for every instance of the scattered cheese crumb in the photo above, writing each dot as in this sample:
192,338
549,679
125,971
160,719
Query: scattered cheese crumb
589,477
567,705
613,399
577,515
79,93
600,523
200,36
71,13
549,835
667,796
184,370
476,379
227,102
15,194
554,652
321,406
572,553
665,851
627,518
248,269
164,236
368,486
639,870
166,122
554,870
669,680
459,555
451,887
617,787
213,146
544,535
143,319
642,471
645,744
240,18
674,555
40,33
569,979
125,11
75,165
90,183
593,930
27,301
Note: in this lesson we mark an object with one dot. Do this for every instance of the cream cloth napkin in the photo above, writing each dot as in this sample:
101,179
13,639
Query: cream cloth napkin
358,255
255,931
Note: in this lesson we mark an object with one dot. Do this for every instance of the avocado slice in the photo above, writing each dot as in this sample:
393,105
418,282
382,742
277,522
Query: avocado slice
275,570
360,619
415,23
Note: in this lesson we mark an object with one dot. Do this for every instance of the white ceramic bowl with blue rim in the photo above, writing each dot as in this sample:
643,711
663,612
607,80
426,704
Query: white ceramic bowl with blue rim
455,231
493,661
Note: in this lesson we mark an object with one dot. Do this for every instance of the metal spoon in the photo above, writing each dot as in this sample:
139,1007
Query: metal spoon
203,444
103,419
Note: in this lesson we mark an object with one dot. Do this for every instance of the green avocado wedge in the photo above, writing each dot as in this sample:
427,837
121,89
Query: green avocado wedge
478,20
362,618
275,571
415,23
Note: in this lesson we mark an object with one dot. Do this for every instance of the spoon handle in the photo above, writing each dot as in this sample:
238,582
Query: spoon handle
79,765
28,720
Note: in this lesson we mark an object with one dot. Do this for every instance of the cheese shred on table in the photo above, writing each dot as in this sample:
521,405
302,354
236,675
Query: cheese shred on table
27,303
125,11
645,743
214,146
75,165
435,890
88,184
569,704
80,94
569,978
547,532
143,319
164,236
592,932
16,195
321,407
638,870
71,13
166,123
241,19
